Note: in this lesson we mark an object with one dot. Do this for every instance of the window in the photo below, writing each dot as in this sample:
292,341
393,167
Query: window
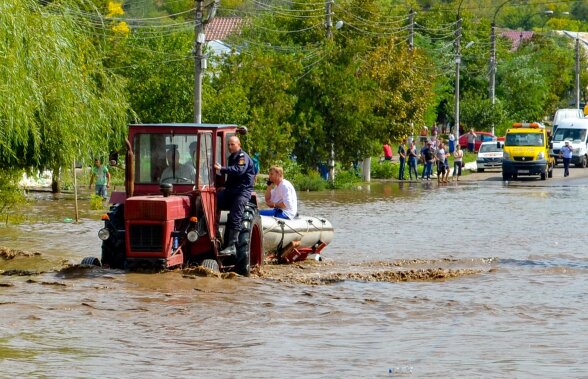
524,139
205,160
219,148
155,155
574,135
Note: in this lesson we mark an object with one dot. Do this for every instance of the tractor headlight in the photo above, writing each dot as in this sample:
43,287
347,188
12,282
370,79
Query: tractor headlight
192,236
104,234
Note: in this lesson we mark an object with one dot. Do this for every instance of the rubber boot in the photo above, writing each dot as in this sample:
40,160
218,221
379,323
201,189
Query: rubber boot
232,239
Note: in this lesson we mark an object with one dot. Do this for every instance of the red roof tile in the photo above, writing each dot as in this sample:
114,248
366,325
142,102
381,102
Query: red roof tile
516,37
221,27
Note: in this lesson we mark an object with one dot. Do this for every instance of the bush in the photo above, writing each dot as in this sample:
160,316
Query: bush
312,181
383,169
96,202
345,179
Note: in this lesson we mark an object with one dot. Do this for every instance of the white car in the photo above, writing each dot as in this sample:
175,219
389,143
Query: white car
489,156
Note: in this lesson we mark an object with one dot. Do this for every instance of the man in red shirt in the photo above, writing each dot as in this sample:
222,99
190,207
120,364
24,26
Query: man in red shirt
387,152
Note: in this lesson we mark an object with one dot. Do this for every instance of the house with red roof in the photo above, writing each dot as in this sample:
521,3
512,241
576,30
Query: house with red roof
218,29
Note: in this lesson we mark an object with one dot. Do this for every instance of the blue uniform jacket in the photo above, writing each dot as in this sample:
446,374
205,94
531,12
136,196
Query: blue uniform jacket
240,172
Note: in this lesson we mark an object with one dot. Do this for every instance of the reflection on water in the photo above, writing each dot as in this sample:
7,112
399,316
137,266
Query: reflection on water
518,316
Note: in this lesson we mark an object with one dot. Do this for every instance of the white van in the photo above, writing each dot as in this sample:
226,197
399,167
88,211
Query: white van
565,114
576,132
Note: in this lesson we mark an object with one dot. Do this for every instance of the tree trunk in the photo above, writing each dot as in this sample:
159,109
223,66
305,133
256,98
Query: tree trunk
55,188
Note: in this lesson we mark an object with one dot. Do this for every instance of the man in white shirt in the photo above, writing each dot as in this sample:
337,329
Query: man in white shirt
280,195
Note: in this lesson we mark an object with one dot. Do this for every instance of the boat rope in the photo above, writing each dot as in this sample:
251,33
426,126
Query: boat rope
313,225
291,228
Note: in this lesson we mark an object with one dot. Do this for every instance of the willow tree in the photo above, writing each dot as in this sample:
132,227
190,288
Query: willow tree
57,101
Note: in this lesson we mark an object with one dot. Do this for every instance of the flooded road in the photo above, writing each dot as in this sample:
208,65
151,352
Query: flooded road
518,310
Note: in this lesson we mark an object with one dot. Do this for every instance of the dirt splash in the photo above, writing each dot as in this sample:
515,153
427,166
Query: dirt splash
308,272
7,253
311,273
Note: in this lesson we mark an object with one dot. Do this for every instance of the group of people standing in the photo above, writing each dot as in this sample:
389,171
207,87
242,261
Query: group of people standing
433,152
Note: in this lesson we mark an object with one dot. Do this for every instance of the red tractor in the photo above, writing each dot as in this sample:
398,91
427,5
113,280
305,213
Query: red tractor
168,215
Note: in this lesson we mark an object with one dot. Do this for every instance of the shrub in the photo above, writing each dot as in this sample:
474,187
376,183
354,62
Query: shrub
96,202
345,179
312,181
383,169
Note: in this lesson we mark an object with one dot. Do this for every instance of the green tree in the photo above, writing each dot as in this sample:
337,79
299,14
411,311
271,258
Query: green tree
58,101
159,70
256,89
477,112
579,9
535,80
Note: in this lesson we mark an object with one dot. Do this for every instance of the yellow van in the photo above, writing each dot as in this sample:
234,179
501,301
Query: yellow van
526,152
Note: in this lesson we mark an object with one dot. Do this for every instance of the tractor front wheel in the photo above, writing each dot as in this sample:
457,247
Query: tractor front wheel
91,261
211,264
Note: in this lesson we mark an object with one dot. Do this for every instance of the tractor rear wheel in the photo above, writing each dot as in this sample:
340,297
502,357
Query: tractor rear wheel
250,245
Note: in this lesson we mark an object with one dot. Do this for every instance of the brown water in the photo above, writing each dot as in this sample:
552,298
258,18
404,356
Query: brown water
518,310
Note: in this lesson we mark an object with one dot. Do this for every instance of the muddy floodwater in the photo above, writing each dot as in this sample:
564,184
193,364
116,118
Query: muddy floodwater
480,279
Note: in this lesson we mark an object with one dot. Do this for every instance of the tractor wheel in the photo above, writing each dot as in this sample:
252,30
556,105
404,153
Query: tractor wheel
250,245
91,261
211,264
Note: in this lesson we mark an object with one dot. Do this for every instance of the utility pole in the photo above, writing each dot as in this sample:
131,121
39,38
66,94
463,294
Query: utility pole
492,89
328,21
199,61
199,58
411,29
328,25
577,70
457,67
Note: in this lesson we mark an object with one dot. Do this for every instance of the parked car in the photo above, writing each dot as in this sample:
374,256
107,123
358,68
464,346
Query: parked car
480,137
490,156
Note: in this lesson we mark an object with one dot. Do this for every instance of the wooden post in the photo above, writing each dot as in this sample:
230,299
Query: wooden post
75,183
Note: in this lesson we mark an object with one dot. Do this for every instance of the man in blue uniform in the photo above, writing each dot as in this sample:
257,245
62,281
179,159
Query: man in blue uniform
240,172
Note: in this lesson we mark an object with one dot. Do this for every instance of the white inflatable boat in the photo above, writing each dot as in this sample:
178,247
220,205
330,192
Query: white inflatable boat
293,240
